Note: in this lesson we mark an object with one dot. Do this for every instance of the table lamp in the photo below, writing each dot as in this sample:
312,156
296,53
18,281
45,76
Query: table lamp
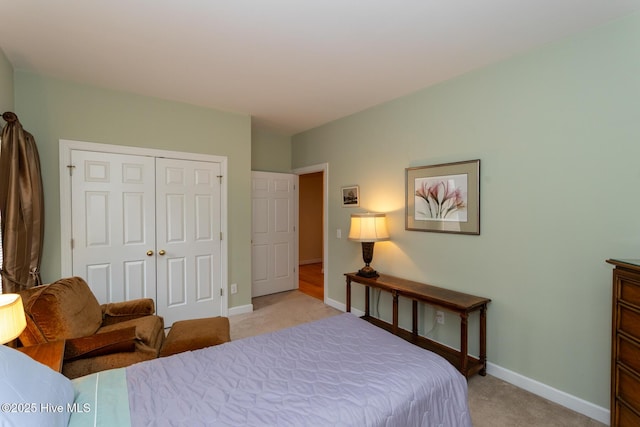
368,228
12,320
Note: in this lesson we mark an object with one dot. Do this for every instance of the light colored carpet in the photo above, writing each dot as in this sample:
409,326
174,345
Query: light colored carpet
493,402
278,311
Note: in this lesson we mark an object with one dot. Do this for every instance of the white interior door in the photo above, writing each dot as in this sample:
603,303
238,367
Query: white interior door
188,239
273,242
113,224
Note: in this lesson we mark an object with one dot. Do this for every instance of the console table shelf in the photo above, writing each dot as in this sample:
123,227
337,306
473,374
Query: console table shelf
457,302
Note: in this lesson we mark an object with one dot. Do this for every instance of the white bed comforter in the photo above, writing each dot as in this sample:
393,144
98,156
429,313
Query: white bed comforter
339,371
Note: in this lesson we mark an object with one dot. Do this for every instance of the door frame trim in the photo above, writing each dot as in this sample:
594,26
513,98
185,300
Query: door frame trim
321,167
66,146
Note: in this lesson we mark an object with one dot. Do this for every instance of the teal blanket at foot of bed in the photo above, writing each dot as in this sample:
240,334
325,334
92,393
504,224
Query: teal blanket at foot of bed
101,400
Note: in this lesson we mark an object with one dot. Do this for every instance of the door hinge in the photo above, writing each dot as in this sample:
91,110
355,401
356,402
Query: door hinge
221,292
71,168
221,235
71,244
220,178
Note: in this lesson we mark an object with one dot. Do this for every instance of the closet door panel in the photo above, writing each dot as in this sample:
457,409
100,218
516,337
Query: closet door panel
188,216
113,224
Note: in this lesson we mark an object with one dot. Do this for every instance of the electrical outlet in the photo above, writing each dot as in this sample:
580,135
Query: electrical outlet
234,288
440,317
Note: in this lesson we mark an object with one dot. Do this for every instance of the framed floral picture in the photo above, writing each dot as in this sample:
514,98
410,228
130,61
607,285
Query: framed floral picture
443,198
351,196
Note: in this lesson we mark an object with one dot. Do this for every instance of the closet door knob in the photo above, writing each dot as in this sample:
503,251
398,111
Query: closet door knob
149,253
161,252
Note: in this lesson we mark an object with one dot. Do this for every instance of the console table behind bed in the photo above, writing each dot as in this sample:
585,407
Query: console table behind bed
457,302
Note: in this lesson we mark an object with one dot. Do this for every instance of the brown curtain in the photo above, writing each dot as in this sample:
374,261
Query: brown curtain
21,207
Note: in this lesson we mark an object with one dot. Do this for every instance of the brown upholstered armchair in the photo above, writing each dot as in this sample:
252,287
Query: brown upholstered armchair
98,337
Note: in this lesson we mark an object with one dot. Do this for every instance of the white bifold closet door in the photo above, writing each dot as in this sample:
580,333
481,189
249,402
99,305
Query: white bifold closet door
148,227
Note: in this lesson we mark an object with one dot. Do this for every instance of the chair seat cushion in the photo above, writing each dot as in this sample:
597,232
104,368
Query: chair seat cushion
194,334
149,332
149,337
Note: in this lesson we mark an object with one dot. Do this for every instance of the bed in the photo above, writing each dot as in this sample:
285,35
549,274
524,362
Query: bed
338,371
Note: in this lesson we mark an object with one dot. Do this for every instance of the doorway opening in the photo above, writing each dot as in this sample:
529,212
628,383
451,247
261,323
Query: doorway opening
312,231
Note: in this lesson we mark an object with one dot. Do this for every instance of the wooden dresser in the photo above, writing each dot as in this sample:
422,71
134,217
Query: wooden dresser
625,343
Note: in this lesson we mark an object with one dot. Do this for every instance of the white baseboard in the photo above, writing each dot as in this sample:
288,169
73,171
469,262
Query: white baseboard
241,309
342,307
567,400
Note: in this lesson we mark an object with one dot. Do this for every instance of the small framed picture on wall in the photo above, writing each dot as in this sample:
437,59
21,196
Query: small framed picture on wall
350,196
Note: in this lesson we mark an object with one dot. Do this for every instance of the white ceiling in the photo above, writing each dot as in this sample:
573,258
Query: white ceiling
291,64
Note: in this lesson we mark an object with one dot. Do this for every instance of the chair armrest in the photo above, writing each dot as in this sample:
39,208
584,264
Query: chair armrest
115,312
118,341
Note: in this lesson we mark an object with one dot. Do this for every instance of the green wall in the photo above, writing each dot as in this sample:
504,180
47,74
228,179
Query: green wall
270,152
52,109
6,86
558,136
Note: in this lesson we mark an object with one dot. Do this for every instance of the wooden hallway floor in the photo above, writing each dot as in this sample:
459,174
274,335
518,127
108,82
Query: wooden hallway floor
311,280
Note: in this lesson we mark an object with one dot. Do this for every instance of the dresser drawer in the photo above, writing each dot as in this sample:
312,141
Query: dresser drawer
627,388
628,289
629,353
629,321
625,417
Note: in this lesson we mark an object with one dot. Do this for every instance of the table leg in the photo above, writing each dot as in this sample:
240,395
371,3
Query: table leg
464,317
395,312
415,317
348,295
483,340
366,301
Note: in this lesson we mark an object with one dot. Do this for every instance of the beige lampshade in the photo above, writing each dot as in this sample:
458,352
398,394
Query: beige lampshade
368,227
12,320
